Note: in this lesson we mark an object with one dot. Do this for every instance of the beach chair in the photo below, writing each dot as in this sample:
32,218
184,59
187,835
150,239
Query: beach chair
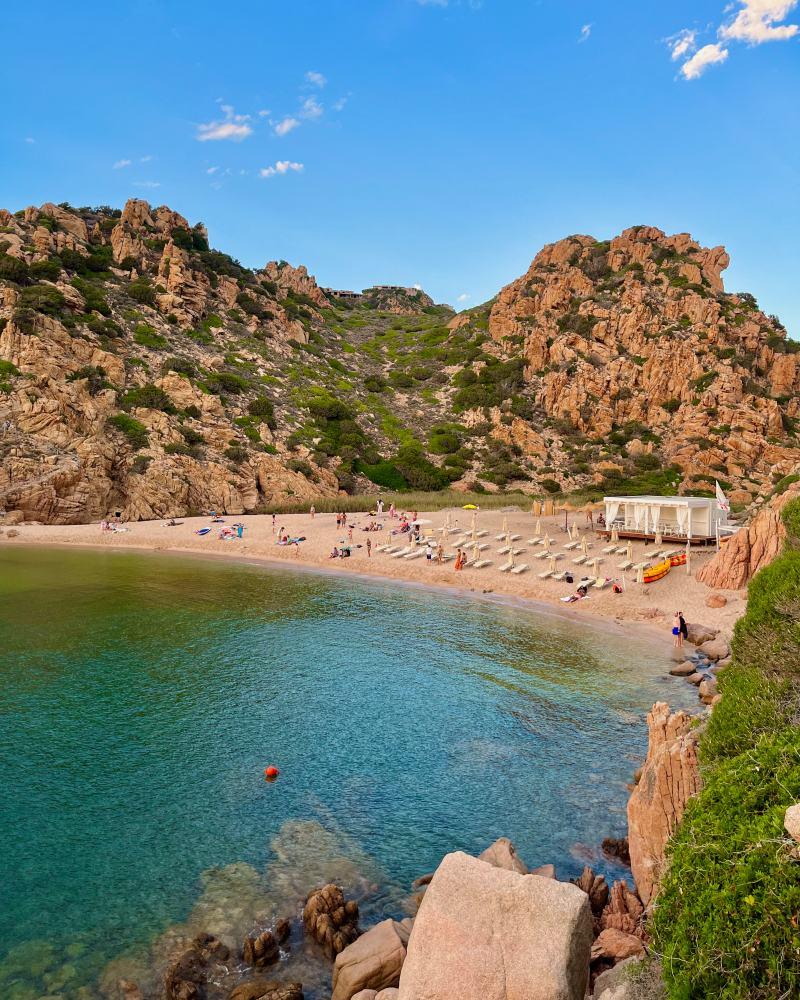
383,548
515,538
559,576
415,554
545,574
517,552
542,555
481,534
625,565
389,550
580,560
600,583
572,546
401,552
609,549
535,541
504,551
446,558
500,537
505,567
482,564
621,550
519,569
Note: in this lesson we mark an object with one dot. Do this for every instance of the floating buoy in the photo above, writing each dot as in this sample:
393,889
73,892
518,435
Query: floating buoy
271,772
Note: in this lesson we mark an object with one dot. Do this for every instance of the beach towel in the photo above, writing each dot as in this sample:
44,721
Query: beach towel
202,531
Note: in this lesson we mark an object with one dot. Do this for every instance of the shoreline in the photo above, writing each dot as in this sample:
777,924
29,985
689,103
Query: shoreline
648,608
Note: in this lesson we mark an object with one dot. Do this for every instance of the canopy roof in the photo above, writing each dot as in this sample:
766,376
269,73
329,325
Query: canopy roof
665,501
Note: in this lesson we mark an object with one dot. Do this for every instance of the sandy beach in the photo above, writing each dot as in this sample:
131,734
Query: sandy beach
652,604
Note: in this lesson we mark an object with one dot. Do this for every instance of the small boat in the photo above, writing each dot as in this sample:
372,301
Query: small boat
202,531
678,560
657,572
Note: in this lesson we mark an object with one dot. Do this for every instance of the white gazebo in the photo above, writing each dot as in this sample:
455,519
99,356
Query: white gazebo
677,519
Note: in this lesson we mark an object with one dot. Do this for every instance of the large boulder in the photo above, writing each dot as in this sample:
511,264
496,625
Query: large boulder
614,945
715,649
266,989
791,822
373,961
697,634
670,777
330,919
630,979
485,933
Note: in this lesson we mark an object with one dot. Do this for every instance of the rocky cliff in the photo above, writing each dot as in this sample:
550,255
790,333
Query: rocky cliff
142,370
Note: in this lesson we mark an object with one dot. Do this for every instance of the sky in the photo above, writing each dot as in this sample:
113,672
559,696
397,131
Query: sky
431,142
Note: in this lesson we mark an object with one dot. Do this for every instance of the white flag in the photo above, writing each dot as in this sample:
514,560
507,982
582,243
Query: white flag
722,500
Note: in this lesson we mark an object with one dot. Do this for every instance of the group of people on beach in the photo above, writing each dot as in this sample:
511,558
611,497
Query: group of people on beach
680,630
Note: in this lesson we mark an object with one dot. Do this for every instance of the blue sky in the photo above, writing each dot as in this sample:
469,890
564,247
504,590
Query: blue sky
439,143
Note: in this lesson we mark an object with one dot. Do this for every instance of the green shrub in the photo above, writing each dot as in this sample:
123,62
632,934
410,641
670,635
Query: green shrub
95,377
221,382
383,474
142,291
134,431
671,405
417,470
150,397
726,917
43,299
262,408
443,441
550,485
95,300
8,368
183,366
45,270
145,335
236,454
13,269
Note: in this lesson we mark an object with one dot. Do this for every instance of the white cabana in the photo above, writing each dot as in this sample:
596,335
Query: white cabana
685,518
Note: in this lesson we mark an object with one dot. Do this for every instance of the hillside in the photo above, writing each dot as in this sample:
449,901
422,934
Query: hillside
143,371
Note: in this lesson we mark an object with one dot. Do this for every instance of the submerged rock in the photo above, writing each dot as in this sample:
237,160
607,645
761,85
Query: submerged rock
330,919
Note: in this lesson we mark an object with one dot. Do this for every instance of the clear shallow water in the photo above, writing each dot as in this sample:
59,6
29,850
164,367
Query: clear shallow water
142,696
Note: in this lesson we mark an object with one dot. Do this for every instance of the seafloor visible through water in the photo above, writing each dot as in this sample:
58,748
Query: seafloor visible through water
142,696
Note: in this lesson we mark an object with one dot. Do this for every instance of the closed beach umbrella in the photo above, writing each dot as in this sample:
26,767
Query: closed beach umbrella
511,558
614,534
688,559
547,543
640,574
629,551
474,515
553,562
538,529
574,533
584,546
658,538
505,525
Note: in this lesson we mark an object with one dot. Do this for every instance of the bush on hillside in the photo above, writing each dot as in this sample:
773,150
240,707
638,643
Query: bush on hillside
134,431
726,919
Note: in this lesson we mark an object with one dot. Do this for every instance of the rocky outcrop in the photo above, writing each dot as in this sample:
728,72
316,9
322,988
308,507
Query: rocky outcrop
503,854
296,280
373,961
751,548
485,933
669,778
266,989
330,919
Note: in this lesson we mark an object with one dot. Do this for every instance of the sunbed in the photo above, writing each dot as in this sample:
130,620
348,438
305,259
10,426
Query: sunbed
519,569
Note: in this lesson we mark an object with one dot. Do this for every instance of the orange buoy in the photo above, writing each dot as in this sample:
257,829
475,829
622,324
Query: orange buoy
271,772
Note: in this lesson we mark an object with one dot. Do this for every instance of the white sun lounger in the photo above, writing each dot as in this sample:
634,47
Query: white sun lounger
545,574
625,565
482,564
580,560
501,537
389,550
415,554
383,548
621,550
504,551
455,531
505,567
519,569
600,583
535,540
559,576
401,552
517,551
609,549
571,546
515,538
542,555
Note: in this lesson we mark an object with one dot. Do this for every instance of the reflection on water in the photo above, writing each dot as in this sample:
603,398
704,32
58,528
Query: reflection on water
141,698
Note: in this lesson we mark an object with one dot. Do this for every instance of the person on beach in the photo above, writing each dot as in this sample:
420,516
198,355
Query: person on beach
459,564
313,511
379,506
369,548
429,552
676,630
440,554
392,510
684,627
273,525
350,533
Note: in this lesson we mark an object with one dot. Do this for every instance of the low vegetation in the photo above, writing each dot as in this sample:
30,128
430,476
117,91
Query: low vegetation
727,921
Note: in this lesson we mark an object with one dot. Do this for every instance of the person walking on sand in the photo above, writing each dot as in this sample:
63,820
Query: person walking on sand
392,510
313,511
440,554
676,630
379,506
369,548
273,525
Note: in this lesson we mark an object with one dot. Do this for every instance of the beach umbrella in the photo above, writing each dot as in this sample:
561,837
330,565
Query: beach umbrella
584,546
640,574
553,563
688,559
658,538
547,543
474,515
505,525
538,529
629,551
511,557
614,534
469,506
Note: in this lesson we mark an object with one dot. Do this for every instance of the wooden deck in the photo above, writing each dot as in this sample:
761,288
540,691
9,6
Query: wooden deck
640,536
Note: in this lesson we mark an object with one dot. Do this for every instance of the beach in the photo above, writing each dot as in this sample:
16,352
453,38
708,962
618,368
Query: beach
652,604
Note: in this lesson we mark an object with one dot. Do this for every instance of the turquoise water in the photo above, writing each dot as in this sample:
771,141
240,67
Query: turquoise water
141,697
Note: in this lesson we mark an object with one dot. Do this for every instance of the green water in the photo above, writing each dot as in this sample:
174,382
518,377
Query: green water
142,696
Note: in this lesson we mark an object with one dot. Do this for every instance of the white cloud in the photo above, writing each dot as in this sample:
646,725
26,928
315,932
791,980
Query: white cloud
463,297
285,126
682,44
709,55
281,167
586,31
30,140
120,164
757,21
212,170
234,127
311,108
339,105
316,79
147,184
264,113
146,159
